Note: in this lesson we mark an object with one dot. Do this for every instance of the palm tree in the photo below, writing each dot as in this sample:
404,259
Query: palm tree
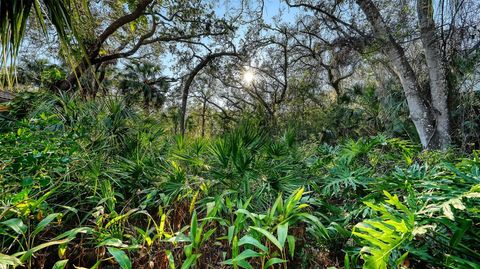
141,81
14,15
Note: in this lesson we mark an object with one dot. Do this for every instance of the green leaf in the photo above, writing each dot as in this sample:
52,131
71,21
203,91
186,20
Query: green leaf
95,266
457,262
247,239
293,200
188,249
400,260
291,245
246,254
171,260
273,261
9,260
241,263
60,264
278,203
269,236
457,236
208,234
113,242
120,257
231,231
244,264
44,223
282,232
346,261
384,235
71,234
16,225
190,261
320,228
193,227
25,255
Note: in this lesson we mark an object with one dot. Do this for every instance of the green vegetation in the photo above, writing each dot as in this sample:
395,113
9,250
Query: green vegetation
200,134
94,183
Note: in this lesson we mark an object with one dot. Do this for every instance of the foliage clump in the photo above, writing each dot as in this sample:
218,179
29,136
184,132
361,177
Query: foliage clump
97,183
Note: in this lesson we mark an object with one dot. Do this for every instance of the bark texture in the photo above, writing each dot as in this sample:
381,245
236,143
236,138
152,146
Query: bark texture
94,51
420,112
437,74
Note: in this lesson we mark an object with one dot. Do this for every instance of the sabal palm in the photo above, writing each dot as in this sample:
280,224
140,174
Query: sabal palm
141,79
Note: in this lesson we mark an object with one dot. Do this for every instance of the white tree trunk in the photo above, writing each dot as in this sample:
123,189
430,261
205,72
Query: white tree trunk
419,111
436,71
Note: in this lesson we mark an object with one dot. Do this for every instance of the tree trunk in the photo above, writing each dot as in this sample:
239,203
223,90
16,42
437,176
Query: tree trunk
186,88
204,111
93,51
420,113
183,108
436,71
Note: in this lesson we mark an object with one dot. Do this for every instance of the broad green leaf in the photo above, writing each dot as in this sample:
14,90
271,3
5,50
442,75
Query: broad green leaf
293,200
231,231
16,225
188,249
309,218
121,217
247,239
71,234
161,228
235,247
193,226
346,261
273,261
278,203
383,235
269,236
120,257
246,254
60,264
241,263
246,212
190,261
282,233
291,245
457,236
9,260
44,223
208,234
25,255
400,260
112,242
244,264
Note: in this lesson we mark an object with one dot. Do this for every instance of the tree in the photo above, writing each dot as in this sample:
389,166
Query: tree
429,113
437,72
93,50
141,80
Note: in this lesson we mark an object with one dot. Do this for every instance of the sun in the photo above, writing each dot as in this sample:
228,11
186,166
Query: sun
248,76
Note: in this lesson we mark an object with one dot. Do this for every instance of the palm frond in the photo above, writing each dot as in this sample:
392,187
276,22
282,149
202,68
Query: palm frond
14,15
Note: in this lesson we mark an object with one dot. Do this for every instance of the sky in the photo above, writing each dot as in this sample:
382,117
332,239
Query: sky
271,9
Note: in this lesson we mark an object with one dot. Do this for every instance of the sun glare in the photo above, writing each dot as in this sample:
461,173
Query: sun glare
248,76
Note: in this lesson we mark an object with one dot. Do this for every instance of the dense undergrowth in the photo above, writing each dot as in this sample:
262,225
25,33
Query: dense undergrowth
98,185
